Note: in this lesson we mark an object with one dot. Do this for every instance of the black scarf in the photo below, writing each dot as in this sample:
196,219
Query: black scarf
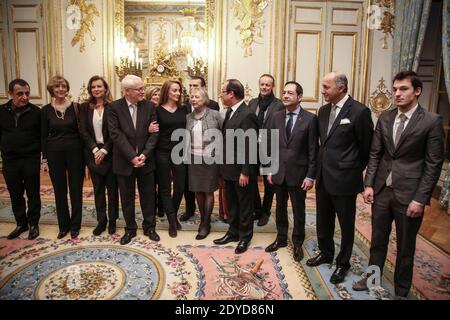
263,103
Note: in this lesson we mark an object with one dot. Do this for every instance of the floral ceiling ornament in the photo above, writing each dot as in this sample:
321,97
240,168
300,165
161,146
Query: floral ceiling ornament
387,23
249,14
381,98
80,17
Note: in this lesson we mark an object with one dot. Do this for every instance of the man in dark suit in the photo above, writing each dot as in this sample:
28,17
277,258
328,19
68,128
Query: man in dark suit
404,166
238,169
189,196
264,106
20,144
298,145
133,155
345,132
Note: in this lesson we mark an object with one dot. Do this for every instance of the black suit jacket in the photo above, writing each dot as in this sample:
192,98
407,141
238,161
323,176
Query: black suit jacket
88,135
275,106
297,156
129,142
243,118
415,162
344,152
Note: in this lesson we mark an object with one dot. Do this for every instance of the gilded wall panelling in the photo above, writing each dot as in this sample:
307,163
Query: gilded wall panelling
306,64
3,66
81,18
308,15
28,59
25,13
345,16
381,98
343,44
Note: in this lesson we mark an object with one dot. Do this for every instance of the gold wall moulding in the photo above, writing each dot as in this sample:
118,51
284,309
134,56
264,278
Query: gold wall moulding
387,23
249,13
381,98
80,16
83,95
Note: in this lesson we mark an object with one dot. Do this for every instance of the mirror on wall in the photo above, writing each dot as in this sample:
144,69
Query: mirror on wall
170,38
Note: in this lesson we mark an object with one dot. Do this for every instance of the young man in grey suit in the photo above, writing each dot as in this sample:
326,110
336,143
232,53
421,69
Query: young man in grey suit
298,145
264,106
238,174
345,131
404,166
133,155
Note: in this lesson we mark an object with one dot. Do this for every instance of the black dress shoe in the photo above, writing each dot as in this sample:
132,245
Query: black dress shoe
263,220
74,234
226,239
152,234
17,232
318,260
298,253
127,237
338,275
62,234
241,247
112,227
186,216
274,246
173,225
99,229
34,232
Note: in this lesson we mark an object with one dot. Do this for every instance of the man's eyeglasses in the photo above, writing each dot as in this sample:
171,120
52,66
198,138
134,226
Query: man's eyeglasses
138,89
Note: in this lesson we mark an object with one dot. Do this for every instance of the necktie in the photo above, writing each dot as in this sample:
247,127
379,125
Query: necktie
398,134
289,124
400,128
227,116
332,117
134,114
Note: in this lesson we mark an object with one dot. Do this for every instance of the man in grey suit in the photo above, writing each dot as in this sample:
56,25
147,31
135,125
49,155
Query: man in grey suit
264,106
238,174
405,162
133,155
298,145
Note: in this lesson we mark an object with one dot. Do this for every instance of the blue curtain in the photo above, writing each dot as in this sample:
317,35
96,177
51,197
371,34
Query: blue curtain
411,18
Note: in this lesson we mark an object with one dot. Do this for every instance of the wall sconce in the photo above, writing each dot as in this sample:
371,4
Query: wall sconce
129,60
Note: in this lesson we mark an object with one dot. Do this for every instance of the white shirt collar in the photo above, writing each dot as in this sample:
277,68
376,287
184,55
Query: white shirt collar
129,103
237,105
296,111
407,114
341,103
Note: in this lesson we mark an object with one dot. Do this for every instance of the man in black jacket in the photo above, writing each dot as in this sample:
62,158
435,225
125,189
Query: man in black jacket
20,136
238,169
133,155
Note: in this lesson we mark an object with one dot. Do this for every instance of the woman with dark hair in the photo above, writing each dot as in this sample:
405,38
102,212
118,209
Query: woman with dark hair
98,153
203,175
62,155
171,115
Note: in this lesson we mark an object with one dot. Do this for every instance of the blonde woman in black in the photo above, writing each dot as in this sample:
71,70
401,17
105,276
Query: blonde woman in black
62,155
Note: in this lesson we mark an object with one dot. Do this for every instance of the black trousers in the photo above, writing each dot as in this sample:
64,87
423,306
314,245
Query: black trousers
264,207
67,171
298,196
146,188
240,206
189,197
169,172
102,183
327,207
22,175
386,209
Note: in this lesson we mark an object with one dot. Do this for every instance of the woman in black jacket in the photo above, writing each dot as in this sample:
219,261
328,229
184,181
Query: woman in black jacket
98,153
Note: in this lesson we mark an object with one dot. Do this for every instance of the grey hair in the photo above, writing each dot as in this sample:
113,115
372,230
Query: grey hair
129,81
341,80
203,94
